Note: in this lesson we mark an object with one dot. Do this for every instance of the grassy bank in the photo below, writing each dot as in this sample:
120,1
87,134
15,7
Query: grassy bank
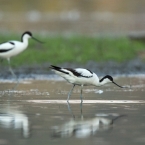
78,49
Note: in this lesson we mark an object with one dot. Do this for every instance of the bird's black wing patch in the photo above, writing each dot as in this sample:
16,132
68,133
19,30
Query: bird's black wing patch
90,71
8,42
12,43
77,73
5,50
74,72
58,69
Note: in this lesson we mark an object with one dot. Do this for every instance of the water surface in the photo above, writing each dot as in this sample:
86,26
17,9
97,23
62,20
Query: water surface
37,113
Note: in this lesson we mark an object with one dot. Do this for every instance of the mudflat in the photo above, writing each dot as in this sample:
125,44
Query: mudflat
37,113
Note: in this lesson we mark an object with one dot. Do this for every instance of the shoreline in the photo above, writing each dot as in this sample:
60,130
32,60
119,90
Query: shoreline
132,67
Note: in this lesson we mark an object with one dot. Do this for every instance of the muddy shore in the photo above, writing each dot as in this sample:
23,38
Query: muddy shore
135,66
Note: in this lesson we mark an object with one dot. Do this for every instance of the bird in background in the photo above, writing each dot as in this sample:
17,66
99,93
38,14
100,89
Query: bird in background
82,77
12,48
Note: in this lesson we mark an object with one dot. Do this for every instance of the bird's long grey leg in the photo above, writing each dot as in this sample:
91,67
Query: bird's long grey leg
81,107
1,59
2,94
69,94
81,93
12,72
69,109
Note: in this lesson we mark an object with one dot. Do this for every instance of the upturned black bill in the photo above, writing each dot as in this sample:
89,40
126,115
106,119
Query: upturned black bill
120,86
37,40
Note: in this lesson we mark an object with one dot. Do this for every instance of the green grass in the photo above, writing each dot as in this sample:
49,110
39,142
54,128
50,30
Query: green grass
77,49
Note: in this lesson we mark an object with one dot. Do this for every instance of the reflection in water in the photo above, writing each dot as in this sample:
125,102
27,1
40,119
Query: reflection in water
82,128
15,120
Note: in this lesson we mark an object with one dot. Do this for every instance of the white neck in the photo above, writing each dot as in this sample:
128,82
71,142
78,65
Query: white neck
98,83
25,41
103,82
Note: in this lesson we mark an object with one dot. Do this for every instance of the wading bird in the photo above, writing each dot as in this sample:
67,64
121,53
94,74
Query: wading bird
82,77
12,48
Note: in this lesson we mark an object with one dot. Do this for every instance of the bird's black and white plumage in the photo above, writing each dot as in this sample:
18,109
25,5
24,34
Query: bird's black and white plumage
12,48
76,76
82,77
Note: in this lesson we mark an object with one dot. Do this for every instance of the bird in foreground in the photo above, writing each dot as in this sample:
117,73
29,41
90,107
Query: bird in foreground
82,77
12,48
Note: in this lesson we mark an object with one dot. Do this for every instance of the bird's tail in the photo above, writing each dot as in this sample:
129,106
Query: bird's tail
58,69
55,67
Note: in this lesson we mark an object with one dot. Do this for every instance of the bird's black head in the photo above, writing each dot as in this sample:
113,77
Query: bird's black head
27,35
27,32
107,77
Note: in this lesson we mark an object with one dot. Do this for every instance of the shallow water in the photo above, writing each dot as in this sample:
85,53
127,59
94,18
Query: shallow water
37,113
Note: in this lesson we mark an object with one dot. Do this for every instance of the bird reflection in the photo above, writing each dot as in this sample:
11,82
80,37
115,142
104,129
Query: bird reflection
15,120
82,128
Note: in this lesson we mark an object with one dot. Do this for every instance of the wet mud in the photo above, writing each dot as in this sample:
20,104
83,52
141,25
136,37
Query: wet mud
37,113
134,66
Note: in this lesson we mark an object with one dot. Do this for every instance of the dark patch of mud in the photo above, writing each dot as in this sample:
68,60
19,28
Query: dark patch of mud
135,66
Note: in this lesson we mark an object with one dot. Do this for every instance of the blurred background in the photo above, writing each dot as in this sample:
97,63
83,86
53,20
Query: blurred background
84,32
89,17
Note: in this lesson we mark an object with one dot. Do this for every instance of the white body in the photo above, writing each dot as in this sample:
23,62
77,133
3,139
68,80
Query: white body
87,78
82,77
17,48
13,48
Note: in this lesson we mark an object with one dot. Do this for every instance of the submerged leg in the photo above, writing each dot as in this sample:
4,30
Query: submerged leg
69,94
1,59
81,107
69,109
12,72
81,93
